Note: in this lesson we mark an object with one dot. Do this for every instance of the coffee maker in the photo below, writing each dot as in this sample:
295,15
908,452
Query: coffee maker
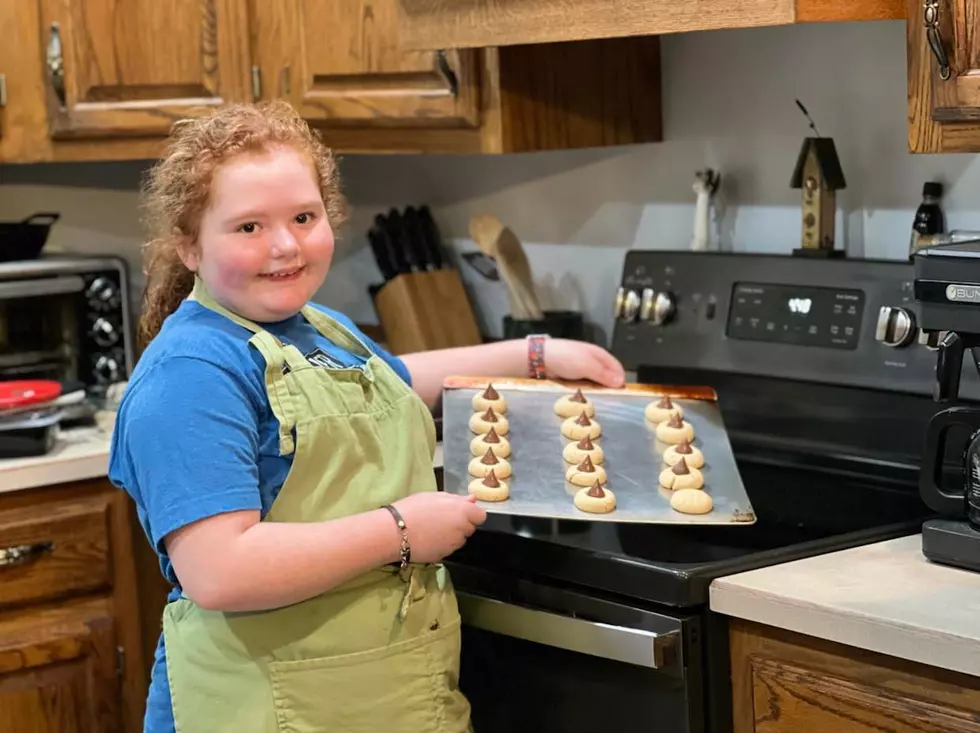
947,289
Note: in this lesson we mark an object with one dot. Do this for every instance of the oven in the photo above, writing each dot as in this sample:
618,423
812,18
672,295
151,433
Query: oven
66,319
540,657
572,626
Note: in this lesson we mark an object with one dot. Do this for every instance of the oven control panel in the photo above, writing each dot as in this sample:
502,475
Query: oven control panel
837,321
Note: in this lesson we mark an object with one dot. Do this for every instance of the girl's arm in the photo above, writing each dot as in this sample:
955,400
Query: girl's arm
233,562
564,359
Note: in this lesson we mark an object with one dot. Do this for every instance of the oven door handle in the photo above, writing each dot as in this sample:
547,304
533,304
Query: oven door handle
41,286
651,649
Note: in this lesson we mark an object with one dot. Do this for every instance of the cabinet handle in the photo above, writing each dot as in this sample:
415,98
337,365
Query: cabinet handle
22,554
447,71
56,63
930,17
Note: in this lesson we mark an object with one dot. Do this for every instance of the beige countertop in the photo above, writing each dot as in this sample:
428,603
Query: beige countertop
884,597
81,453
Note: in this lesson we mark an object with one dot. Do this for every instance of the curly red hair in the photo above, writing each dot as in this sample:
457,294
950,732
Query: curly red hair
175,191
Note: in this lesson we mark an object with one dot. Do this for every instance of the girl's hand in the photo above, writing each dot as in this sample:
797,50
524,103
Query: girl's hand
438,523
568,359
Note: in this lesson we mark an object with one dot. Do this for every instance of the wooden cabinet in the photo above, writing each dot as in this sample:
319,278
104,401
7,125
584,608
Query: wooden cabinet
788,683
944,76
72,642
103,80
115,69
430,24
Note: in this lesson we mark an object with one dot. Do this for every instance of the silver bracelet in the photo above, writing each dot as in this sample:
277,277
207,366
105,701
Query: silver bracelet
406,549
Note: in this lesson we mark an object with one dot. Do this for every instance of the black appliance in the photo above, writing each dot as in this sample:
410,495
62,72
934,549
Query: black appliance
947,289
825,389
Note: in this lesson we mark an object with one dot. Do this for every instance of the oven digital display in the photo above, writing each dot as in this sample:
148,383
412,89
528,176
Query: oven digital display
790,314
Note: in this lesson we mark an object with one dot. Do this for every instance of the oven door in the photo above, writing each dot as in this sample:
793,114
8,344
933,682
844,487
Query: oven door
40,327
539,658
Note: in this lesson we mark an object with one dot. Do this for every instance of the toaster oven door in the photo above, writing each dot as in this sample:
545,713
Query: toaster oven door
40,328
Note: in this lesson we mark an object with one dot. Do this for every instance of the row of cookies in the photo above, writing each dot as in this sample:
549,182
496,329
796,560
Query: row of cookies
682,475
584,454
490,448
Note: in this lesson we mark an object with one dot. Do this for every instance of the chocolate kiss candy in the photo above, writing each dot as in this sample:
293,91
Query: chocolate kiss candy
680,468
490,415
586,443
492,437
596,490
683,447
675,421
578,397
665,403
490,458
490,393
583,420
586,465
491,480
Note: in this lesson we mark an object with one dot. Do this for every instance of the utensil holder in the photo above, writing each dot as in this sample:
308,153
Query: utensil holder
421,311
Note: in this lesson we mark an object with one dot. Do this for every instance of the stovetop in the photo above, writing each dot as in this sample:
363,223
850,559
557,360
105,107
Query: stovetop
799,511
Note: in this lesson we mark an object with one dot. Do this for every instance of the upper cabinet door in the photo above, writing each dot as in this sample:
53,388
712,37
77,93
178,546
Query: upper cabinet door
132,68
339,62
944,75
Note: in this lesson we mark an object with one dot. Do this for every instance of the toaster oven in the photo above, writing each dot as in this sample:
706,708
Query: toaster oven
67,319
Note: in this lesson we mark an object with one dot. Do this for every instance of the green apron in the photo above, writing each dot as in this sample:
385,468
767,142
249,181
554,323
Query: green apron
379,653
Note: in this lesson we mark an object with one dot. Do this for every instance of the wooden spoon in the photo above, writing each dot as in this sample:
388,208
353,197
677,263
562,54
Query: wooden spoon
497,241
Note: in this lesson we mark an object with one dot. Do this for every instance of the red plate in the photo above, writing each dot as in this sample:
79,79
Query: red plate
19,393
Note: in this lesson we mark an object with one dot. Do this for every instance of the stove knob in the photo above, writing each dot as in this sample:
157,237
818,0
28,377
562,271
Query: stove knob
618,303
103,294
631,306
896,326
646,304
107,369
931,339
103,332
663,308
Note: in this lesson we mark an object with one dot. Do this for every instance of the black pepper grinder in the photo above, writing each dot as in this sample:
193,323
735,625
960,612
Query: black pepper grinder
929,217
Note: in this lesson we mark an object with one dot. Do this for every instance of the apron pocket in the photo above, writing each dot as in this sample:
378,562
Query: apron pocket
404,687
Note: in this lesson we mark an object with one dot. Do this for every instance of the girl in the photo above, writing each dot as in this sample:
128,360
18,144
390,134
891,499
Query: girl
281,462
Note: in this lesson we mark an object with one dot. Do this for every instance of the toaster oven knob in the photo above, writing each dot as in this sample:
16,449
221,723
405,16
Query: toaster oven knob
619,302
107,369
103,332
103,294
631,306
646,303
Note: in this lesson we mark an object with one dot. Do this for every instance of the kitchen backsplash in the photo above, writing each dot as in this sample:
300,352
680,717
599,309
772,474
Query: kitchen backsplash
728,104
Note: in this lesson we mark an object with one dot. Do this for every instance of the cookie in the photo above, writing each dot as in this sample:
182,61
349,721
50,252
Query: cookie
490,439
691,501
595,500
693,456
481,422
574,405
576,428
675,430
575,452
586,473
489,488
490,398
661,410
480,467
681,476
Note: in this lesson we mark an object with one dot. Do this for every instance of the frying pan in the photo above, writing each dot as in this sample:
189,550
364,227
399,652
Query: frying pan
23,240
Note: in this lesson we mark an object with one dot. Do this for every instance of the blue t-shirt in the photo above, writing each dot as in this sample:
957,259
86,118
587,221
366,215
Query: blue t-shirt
195,435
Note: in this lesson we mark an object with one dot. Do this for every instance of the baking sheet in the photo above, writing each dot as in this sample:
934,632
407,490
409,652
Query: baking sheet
633,454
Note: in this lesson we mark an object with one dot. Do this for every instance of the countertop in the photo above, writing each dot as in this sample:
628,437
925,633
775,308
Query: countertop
80,453
885,597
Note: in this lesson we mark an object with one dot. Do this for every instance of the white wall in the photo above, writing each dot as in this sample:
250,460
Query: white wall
729,104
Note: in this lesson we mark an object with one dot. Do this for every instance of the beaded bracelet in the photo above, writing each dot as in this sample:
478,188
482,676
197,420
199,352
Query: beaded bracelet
535,355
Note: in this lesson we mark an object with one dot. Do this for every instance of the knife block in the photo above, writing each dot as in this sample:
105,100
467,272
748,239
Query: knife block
421,311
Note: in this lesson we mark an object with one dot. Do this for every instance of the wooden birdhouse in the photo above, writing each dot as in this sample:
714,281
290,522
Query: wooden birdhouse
818,173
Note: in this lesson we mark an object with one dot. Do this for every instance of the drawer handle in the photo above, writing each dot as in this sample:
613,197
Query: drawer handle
22,554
